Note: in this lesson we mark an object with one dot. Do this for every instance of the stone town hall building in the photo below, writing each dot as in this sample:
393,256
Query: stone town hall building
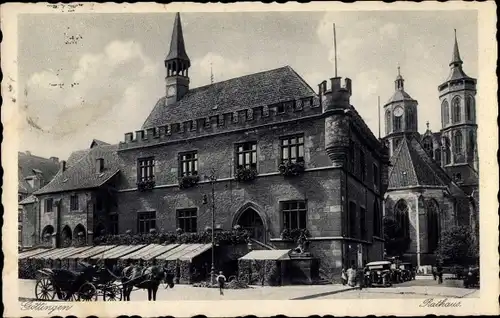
433,179
247,132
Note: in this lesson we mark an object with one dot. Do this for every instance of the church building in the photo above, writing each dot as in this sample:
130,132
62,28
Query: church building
433,179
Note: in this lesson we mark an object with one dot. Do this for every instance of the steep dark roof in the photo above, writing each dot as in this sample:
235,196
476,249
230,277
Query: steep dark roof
469,176
28,164
82,174
76,156
412,167
258,89
98,143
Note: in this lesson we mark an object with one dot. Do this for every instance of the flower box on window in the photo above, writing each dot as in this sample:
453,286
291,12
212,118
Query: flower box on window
293,235
245,174
145,185
188,181
291,169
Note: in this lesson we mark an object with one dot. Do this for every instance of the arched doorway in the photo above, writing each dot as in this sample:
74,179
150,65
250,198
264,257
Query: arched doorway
79,235
66,237
251,221
47,234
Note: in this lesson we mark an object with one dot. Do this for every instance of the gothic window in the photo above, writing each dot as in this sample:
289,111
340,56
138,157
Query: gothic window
387,122
352,220
292,148
401,215
409,118
427,142
447,152
457,142
446,112
432,226
472,143
469,110
398,119
145,169
246,155
437,155
188,164
456,110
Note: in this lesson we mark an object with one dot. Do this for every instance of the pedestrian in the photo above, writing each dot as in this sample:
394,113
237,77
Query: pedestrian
360,273
440,274
221,279
344,276
351,276
434,272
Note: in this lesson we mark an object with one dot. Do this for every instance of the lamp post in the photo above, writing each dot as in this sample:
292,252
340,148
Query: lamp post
212,180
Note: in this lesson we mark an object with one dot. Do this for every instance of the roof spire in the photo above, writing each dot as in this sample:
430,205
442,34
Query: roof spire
456,60
427,124
177,48
399,80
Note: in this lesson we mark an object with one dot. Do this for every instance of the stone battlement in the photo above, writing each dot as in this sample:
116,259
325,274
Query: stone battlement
224,122
338,96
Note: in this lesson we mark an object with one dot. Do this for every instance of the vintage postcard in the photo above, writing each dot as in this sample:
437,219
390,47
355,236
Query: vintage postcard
249,159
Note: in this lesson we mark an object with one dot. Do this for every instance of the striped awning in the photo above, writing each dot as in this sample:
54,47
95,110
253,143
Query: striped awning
268,255
63,253
95,250
182,250
118,251
31,253
193,253
140,253
158,251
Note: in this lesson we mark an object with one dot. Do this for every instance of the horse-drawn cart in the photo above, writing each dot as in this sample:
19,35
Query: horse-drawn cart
86,285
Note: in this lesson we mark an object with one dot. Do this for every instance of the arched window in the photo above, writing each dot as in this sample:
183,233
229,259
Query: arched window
387,122
456,110
472,142
446,112
398,123
447,150
437,155
432,225
401,215
469,108
377,219
457,143
427,143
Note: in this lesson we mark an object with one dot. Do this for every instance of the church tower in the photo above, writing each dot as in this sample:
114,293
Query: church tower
177,64
458,116
400,116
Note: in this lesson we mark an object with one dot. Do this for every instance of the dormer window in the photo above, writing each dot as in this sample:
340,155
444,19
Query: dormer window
99,165
31,181
280,108
307,102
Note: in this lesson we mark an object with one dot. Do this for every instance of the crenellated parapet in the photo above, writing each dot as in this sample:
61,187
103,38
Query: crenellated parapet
224,122
336,106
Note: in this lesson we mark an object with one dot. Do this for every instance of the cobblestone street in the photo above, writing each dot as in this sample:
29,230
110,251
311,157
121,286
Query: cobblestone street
420,288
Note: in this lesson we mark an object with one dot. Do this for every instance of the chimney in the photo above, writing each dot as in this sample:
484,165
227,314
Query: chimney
62,165
55,159
99,163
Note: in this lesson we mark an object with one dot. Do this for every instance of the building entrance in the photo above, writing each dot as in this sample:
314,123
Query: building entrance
251,221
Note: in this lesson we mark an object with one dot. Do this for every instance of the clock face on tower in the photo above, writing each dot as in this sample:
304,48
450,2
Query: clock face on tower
398,112
171,91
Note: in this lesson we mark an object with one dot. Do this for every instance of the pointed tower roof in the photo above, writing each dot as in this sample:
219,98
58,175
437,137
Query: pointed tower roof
456,64
177,48
455,59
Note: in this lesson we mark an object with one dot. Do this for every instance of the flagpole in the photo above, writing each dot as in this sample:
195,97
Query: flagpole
335,48
379,117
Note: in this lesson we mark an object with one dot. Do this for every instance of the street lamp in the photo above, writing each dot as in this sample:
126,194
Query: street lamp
212,180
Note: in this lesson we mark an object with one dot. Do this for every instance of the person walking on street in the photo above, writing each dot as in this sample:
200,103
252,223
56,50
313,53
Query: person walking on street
434,272
221,279
351,276
344,276
440,274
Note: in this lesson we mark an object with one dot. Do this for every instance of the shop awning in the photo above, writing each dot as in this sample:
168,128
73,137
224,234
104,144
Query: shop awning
62,253
48,254
95,250
158,251
195,252
268,255
140,253
118,251
30,253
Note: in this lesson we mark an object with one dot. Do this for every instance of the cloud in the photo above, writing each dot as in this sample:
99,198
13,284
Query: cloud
221,67
108,94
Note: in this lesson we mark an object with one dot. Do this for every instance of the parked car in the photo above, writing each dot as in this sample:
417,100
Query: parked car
407,272
379,273
471,279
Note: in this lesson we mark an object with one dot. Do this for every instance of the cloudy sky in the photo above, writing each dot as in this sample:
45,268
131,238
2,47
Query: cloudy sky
98,76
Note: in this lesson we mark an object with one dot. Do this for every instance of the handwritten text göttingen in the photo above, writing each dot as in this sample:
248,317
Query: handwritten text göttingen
40,306
430,302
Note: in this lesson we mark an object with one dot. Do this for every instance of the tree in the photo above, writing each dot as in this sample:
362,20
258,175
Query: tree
395,241
458,247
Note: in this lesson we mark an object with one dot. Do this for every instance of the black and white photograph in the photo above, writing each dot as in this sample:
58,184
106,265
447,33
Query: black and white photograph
168,154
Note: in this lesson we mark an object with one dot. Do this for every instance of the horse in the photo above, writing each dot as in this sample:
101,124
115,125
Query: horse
145,278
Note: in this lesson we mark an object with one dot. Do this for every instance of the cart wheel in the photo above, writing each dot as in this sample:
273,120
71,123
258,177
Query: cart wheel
87,292
44,289
63,296
112,293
